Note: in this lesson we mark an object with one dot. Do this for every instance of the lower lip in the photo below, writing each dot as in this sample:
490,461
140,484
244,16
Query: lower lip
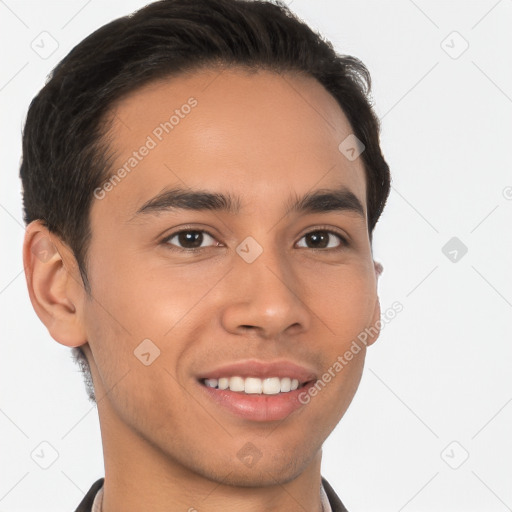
258,407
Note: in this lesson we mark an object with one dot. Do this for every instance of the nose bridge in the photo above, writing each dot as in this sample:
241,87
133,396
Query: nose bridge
266,290
269,272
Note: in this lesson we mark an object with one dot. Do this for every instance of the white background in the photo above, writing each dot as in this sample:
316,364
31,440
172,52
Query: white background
440,371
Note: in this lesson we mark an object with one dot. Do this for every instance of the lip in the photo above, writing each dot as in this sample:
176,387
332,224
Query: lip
256,407
262,370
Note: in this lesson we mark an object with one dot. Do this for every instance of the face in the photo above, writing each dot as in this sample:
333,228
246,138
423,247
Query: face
258,283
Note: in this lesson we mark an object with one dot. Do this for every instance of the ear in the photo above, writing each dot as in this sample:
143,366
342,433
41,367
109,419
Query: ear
54,284
374,328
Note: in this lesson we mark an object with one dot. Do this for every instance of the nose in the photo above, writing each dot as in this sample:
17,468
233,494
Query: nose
265,296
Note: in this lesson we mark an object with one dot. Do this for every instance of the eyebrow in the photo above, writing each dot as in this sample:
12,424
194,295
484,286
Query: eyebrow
318,201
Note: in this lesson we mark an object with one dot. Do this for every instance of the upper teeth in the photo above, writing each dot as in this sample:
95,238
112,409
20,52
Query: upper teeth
253,385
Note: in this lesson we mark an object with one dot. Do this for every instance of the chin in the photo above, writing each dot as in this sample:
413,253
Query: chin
256,478
266,472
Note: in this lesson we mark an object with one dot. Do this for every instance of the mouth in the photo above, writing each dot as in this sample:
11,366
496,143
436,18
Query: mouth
255,385
258,391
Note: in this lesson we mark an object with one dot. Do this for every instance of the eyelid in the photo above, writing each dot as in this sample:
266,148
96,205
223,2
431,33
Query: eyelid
344,239
185,229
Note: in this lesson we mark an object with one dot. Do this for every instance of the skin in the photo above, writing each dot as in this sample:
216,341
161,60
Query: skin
261,137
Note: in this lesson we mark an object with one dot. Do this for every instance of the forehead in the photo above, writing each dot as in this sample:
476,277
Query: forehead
259,135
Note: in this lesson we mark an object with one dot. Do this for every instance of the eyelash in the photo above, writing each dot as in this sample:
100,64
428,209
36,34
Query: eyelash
343,241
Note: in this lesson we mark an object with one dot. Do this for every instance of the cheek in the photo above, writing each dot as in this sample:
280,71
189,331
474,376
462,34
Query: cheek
126,301
345,304
344,301
138,308
136,371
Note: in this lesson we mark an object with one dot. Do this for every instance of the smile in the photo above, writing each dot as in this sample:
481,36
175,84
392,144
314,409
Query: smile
254,385
256,390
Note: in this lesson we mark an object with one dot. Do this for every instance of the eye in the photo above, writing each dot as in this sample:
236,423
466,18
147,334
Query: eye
189,239
322,239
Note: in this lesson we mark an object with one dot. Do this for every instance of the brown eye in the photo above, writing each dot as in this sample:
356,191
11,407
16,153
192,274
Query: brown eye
323,239
189,239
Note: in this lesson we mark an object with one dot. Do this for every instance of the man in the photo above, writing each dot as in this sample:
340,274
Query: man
201,183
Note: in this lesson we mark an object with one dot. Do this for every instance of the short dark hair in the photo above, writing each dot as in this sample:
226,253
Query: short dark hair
65,148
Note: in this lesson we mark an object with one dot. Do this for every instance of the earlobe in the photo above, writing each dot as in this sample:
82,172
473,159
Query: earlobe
56,294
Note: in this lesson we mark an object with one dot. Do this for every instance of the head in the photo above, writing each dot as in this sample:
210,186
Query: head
224,118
